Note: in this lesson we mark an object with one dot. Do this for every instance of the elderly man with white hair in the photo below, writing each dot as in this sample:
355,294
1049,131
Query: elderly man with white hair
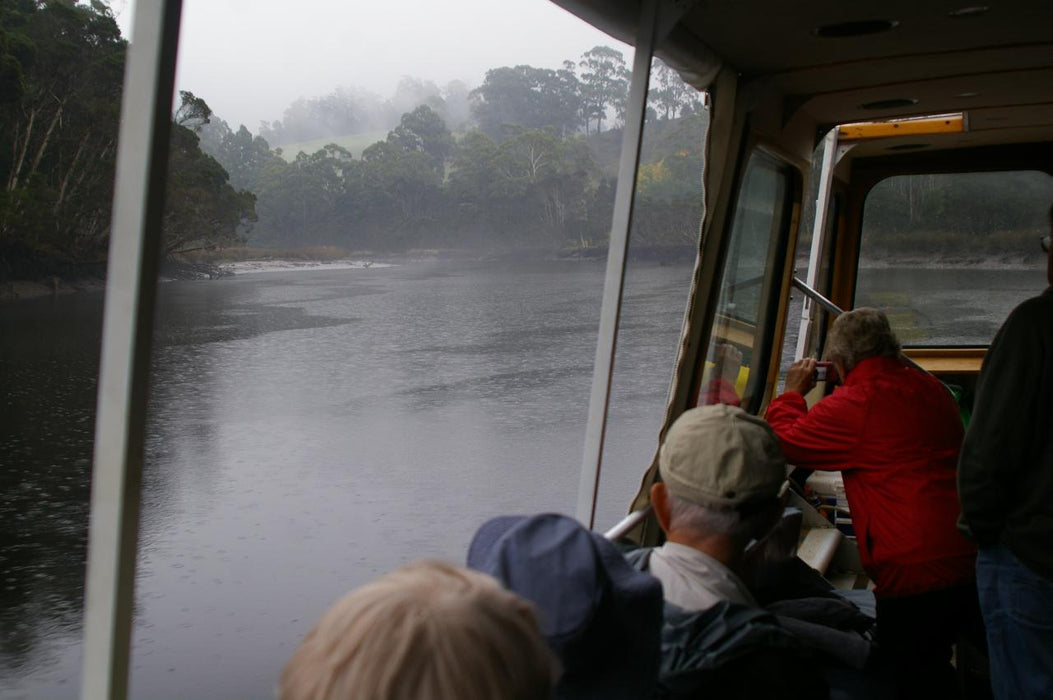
721,476
722,471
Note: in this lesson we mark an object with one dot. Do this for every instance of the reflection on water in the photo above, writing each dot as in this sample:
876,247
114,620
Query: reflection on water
310,430
947,306
48,365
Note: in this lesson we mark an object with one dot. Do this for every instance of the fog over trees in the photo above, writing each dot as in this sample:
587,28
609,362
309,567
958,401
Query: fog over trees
525,160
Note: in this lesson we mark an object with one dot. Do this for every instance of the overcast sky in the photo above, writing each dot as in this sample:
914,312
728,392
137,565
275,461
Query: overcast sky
249,59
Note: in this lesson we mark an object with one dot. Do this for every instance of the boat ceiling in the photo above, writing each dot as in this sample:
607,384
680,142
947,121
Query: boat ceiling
994,63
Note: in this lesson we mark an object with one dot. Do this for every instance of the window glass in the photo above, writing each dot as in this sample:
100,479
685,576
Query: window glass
813,344
384,253
948,256
739,335
663,245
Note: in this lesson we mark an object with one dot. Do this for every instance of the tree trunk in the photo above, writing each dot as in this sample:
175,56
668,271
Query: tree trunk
12,179
61,198
44,144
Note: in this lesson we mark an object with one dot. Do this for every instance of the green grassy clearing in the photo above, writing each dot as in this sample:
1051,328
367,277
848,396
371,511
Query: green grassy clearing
355,143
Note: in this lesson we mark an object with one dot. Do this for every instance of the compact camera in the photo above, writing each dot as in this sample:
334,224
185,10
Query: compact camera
825,372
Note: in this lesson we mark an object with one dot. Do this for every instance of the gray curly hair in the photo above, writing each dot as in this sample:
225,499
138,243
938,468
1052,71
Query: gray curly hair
859,334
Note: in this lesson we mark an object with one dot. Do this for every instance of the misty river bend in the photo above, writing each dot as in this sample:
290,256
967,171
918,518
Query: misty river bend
310,430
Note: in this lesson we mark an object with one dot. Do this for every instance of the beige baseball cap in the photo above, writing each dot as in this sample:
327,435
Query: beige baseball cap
720,456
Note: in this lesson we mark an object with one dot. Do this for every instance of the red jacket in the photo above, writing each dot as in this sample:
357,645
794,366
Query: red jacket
895,433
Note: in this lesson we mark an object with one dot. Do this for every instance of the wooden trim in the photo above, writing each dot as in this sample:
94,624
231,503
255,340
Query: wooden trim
948,360
860,131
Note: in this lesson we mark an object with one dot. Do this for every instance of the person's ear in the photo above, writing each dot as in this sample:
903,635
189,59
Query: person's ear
660,503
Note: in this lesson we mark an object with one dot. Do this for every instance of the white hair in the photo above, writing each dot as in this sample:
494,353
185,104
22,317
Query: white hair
427,631
741,525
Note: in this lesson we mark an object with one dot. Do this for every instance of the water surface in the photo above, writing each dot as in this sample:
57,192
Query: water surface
310,430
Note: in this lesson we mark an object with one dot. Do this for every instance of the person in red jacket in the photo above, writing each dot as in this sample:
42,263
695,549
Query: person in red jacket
894,432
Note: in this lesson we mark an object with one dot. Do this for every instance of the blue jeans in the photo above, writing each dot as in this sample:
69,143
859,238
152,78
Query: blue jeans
1017,606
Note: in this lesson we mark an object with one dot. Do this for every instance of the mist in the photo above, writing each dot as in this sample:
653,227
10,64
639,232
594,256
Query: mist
252,60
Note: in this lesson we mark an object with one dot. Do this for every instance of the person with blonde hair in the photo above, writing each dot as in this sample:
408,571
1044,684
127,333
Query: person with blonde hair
894,432
426,631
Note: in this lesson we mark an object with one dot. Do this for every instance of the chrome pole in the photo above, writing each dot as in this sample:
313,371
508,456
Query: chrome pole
837,311
142,160
626,524
818,298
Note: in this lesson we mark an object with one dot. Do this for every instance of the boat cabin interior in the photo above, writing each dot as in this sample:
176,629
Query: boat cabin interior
818,110
813,108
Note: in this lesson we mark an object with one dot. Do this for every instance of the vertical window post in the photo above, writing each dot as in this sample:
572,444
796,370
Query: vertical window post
819,232
657,17
135,241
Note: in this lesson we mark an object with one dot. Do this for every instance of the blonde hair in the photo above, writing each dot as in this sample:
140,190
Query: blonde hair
426,630
859,334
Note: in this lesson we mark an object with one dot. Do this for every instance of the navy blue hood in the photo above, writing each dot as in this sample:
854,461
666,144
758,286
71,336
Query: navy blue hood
601,617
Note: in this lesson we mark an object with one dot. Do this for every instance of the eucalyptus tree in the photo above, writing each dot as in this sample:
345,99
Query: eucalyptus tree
423,131
526,96
669,95
59,125
604,84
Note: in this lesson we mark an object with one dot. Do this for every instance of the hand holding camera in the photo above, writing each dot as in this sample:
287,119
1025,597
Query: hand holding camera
825,372
806,372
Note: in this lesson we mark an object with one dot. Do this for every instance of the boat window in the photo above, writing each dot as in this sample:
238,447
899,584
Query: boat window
792,348
403,350
663,245
948,256
741,330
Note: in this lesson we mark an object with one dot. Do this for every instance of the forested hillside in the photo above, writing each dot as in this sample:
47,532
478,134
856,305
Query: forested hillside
525,161
61,72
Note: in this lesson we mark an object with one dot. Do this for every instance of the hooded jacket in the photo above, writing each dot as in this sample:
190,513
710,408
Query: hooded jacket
894,432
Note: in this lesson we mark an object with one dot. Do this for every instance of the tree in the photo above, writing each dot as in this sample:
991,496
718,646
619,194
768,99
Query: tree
669,94
604,84
423,131
202,210
526,96
398,196
529,189
193,112
241,154
305,202
60,124
457,110
411,93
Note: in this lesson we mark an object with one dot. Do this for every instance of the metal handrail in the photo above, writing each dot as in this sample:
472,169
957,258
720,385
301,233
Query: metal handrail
837,311
818,298
626,524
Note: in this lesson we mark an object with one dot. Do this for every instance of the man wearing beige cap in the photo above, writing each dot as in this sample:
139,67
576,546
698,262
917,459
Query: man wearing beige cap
722,472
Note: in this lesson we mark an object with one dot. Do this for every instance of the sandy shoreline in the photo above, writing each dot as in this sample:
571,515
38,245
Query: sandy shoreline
16,290
247,267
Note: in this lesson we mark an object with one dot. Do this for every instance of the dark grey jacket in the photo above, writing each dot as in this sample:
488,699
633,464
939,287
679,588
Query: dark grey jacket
730,651
1005,474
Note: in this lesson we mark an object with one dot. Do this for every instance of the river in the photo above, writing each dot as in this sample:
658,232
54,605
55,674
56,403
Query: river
310,430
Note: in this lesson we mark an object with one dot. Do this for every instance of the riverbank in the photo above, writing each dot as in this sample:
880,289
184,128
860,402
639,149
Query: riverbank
26,289
330,259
